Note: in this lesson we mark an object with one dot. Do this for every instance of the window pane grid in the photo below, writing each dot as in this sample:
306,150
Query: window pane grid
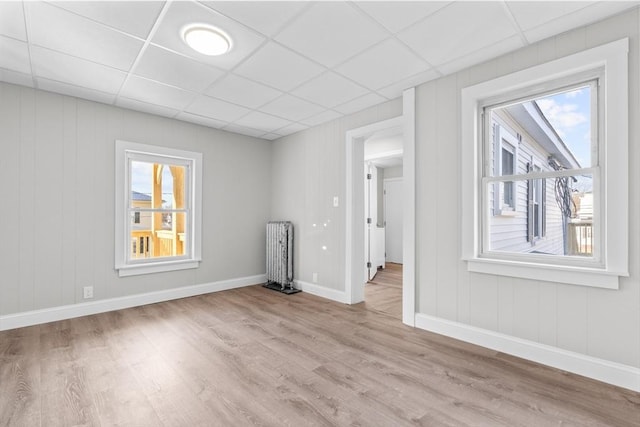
536,171
159,205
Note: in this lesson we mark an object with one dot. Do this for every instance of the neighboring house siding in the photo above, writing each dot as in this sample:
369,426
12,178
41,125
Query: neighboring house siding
509,233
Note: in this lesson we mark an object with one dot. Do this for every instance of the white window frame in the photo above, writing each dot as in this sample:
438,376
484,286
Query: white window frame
127,151
611,175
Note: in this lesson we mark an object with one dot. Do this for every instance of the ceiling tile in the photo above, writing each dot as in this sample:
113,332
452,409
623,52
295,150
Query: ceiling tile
261,121
176,70
292,108
322,118
331,32
329,89
15,55
204,121
395,89
476,24
584,16
481,55
271,136
16,78
153,92
216,109
360,104
276,66
398,15
292,128
12,20
266,17
78,72
243,130
383,65
529,14
145,107
241,91
76,91
132,17
65,32
183,13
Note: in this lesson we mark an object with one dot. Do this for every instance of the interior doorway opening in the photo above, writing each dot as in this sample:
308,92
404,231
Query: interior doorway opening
383,240
355,274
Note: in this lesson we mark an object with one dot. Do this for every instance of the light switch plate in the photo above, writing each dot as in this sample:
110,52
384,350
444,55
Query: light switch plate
336,201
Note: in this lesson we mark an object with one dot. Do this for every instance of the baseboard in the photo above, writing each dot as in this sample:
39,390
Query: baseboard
53,314
321,291
602,370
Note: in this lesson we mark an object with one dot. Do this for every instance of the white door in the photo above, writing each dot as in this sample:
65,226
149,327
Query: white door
393,219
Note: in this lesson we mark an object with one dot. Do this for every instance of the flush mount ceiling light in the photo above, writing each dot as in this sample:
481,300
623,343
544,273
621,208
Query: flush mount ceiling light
206,40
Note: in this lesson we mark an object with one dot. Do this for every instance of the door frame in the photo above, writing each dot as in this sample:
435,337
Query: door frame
354,203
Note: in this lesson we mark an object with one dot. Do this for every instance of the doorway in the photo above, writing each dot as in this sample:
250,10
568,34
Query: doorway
383,157
355,264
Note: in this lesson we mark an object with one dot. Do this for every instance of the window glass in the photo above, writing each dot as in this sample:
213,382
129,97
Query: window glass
158,202
548,136
558,221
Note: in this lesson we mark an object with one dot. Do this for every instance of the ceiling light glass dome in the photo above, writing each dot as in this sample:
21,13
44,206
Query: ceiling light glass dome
206,39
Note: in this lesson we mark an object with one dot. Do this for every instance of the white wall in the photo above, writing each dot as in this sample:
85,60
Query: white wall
601,323
394,172
308,171
57,197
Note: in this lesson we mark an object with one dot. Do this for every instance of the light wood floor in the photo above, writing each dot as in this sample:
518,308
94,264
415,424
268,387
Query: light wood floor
252,356
384,293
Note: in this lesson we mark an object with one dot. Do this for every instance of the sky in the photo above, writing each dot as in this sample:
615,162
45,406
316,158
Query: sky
569,114
141,179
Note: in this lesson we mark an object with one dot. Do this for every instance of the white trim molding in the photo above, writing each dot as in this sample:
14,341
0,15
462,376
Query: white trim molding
321,291
599,369
36,317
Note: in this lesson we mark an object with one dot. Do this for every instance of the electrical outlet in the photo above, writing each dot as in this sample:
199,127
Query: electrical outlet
315,278
88,292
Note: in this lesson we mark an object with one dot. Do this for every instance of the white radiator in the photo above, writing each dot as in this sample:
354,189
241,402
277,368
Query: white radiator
280,256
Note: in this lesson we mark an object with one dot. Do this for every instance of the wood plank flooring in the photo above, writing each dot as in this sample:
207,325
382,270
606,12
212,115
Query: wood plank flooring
384,293
252,356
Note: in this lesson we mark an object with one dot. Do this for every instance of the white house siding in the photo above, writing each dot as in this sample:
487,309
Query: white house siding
509,233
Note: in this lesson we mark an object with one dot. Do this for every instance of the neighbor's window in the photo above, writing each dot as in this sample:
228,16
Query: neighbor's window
158,217
545,172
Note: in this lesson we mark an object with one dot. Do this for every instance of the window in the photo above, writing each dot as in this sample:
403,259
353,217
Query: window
536,212
504,163
158,208
545,185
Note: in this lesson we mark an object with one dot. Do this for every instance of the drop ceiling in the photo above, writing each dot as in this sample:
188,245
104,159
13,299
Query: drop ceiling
293,65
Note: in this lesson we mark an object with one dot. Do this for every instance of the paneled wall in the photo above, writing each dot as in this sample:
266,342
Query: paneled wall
308,171
596,322
57,197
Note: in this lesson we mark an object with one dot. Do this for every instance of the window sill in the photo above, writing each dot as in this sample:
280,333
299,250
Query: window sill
149,268
583,276
506,213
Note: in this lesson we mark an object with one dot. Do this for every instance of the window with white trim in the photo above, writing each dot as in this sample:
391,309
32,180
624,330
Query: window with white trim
544,170
158,208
